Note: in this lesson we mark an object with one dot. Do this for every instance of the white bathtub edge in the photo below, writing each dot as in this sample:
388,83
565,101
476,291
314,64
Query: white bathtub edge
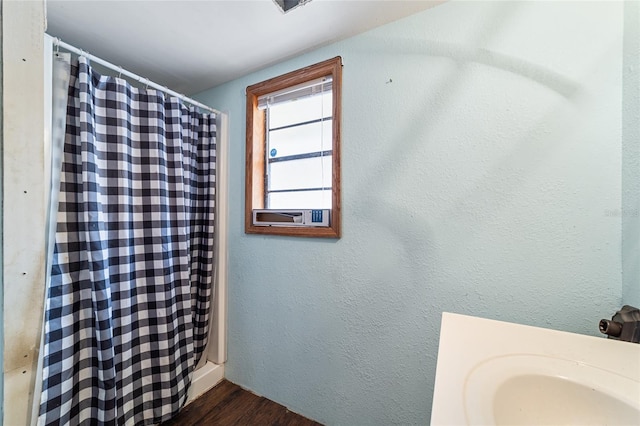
205,378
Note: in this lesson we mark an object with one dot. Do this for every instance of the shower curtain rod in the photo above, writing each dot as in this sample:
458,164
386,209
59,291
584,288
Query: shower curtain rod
59,43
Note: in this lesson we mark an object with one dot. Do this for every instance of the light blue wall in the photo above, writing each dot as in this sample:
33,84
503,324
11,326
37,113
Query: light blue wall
1,230
631,157
481,175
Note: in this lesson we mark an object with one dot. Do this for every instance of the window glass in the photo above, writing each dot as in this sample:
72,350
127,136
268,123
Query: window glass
300,111
314,137
298,152
293,200
305,173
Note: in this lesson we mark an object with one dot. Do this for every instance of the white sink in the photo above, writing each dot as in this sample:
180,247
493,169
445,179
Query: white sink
497,373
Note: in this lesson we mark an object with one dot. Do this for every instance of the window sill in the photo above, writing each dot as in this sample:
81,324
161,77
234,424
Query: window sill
294,231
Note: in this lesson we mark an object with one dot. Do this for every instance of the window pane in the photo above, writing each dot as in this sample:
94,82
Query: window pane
300,200
306,173
300,139
301,110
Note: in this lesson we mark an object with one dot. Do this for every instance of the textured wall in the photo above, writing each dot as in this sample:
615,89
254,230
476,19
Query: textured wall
630,211
481,175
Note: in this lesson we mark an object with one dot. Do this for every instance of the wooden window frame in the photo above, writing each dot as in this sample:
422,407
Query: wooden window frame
255,149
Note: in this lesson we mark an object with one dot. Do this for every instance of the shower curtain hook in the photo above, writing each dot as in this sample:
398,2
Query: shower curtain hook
57,43
148,81
85,55
120,71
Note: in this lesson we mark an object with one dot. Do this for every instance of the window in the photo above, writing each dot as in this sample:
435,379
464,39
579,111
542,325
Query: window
293,150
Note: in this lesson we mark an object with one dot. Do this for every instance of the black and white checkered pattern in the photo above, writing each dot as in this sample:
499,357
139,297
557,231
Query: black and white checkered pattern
127,307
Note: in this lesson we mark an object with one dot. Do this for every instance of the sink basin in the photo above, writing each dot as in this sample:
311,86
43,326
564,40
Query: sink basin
497,373
539,390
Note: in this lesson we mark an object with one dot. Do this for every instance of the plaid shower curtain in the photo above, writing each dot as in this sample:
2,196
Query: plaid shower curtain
127,305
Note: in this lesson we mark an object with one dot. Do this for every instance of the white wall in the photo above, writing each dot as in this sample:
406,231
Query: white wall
481,175
23,201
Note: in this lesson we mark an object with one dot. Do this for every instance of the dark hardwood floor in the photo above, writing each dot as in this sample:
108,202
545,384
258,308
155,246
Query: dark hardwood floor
228,404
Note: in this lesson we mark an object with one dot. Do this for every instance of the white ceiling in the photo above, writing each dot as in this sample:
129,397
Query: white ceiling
190,46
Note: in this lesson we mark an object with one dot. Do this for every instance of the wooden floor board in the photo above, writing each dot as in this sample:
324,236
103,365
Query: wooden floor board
269,413
236,407
194,412
229,405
